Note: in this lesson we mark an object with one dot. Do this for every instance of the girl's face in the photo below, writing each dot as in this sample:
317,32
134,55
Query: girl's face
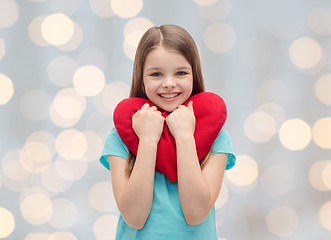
168,78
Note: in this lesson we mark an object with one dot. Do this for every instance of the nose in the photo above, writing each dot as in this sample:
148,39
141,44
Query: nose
169,83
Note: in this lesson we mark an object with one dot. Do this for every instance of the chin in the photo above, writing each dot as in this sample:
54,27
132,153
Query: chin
170,109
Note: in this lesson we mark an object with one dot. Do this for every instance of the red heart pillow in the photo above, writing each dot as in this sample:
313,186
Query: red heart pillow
210,113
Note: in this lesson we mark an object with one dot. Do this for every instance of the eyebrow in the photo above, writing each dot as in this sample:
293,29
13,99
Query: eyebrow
158,68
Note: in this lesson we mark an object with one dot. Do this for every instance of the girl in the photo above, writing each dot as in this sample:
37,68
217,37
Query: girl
167,72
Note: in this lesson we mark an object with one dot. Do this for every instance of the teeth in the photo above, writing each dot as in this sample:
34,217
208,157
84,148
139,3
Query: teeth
169,95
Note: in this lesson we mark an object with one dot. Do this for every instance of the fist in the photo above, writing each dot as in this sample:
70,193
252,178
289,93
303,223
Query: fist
148,123
181,121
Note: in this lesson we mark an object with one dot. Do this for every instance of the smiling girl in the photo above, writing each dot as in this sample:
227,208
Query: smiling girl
167,72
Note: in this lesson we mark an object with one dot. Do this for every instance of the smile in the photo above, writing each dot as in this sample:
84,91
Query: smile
169,95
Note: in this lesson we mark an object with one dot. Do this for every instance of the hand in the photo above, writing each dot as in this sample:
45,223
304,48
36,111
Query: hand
148,123
181,122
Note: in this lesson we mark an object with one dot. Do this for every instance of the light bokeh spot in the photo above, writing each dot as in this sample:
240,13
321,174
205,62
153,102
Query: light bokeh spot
219,37
222,197
71,144
12,167
282,221
6,89
64,170
35,31
133,32
131,42
71,170
34,105
111,95
305,52
101,197
14,171
215,12
60,121
89,81
205,2
317,175
326,176
319,20
38,157
67,107
101,8
7,222
62,236
2,48
105,227
53,181
74,42
324,215
322,133
260,127
61,70
245,173
45,137
295,134
114,93
66,114
95,144
323,89
37,236
139,24
273,110
64,215
15,177
9,13
57,29
36,208
126,8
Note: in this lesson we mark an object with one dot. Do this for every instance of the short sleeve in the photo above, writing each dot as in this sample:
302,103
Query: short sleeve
223,144
114,146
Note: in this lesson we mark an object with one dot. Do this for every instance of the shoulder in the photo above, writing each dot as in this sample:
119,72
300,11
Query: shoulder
114,138
113,146
223,139
223,144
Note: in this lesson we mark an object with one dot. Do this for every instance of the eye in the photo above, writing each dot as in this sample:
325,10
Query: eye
181,73
156,74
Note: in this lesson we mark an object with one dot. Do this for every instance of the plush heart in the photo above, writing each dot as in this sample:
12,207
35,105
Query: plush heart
210,113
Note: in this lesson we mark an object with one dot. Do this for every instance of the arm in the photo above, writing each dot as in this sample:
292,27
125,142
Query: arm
198,189
134,194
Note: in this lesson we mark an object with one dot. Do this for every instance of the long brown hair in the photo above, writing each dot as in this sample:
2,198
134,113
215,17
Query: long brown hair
172,37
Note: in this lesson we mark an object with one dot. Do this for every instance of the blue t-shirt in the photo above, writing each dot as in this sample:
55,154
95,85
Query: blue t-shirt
166,219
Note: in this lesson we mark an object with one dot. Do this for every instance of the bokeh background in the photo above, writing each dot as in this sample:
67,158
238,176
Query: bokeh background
65,64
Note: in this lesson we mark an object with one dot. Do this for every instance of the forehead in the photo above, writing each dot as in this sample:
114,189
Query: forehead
163,57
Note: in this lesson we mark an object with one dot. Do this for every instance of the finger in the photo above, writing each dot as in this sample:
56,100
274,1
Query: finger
134,116
144,107
190,105
153,108
158,112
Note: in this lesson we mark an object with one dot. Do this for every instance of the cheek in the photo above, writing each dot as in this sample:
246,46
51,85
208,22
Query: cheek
189,85
149,88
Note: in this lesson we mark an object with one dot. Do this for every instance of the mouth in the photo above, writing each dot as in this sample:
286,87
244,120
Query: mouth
169,95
